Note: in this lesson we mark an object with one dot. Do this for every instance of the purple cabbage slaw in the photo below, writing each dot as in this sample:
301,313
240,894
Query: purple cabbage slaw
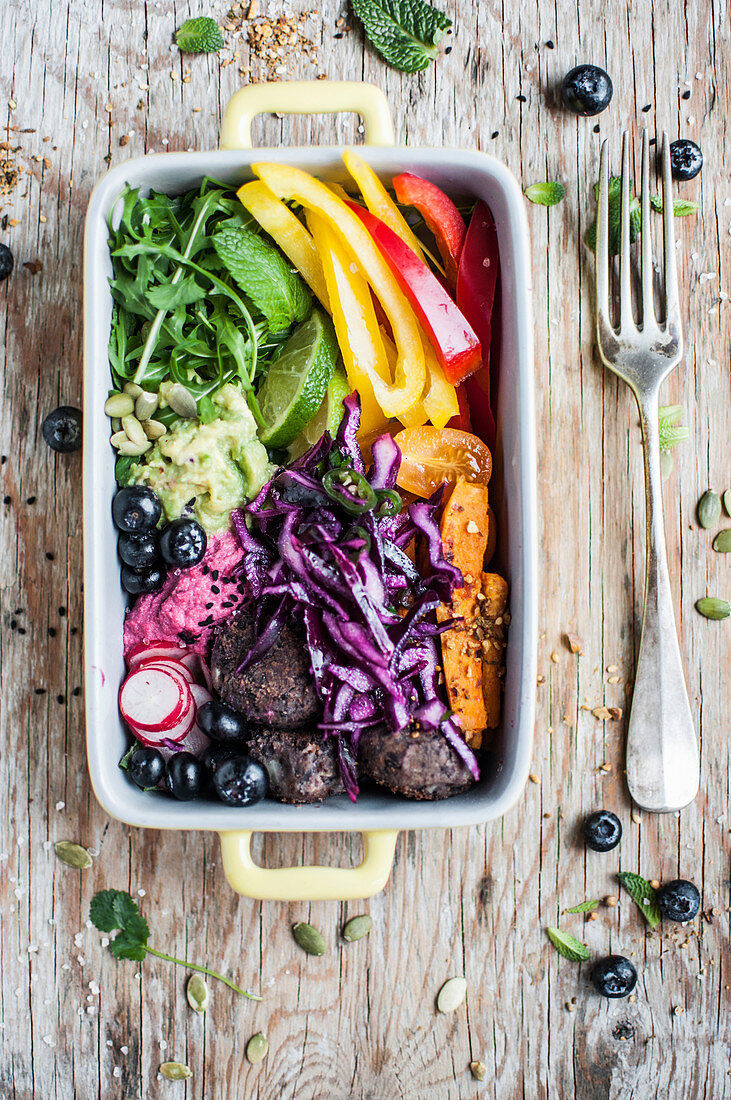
368,615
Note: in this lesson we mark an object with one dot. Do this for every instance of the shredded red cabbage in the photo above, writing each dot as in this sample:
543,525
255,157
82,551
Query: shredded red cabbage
313,554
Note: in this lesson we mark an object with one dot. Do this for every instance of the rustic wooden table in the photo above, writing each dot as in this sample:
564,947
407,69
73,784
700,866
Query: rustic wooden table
86,84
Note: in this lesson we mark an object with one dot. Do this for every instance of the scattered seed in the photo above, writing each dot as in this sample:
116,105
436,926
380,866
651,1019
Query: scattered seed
175,1071
678,1010
451,995
654,884
309,939
711,607
612,668
616,713
574,642
257,1048
554,657
611,901
197,993
534,778
478,1070
119,405
540,679
357,927
709,509
73,855
602,713
722,541
636,818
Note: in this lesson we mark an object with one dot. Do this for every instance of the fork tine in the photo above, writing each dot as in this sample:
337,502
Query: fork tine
646,273
672,306
625,287
601,248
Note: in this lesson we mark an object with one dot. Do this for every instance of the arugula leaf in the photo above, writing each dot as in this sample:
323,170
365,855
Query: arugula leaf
262,272
545,194
584,907
200,35
643,894
614,204
169,296
568,945
681,207
405,32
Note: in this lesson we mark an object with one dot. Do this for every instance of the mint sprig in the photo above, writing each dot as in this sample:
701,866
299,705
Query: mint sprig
614,210
117,911
642,894
200,35
406,33
545,194
568,945
681,207
584,907
264,275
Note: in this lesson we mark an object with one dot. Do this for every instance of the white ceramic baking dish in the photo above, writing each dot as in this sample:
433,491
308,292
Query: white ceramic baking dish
378,816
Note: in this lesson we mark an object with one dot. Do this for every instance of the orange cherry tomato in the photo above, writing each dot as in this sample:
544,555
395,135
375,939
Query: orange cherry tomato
430,456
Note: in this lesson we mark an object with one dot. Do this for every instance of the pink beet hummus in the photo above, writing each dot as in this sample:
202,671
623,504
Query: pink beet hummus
192,602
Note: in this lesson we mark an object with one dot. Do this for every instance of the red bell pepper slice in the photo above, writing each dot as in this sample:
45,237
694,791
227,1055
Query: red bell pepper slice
455,344
440,214
479,267
462,420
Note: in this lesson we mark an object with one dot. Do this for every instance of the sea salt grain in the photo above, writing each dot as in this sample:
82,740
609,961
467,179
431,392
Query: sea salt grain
60,806
116,1072
141,893
49,1040
124,1049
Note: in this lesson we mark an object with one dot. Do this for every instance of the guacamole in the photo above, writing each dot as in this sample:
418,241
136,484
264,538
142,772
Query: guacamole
213,468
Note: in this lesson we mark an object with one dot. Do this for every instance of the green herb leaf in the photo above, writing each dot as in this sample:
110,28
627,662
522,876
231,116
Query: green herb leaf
671,433
583,907
124,946
643,894
264,275
681,207
123,762
614,206
112,909
123,473
545,194
170,295
568,945
406,33
201,35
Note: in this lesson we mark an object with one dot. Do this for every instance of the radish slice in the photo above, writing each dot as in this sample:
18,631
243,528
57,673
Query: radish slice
196,741
200,694
177,733
155,699
161,648
169,663
198,667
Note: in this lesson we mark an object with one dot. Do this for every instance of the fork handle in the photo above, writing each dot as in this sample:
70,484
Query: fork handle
663,768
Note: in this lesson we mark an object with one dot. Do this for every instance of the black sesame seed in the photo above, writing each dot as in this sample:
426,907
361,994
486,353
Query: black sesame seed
214,574
597,128
74,630
7,500
448,49
206,570
494,134
550,45
215,590
3,459
49,556
51,632
76,691
337,36
18,611
40,691
60,698
21,630
13,624
227,603
62,611
522,99
686,94
31,500
652,141
209,606
646,108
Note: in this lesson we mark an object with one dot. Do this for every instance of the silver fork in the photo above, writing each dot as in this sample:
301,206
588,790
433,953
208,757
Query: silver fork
662,750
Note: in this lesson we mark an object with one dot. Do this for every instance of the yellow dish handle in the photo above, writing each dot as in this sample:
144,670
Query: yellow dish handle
308,883
306,97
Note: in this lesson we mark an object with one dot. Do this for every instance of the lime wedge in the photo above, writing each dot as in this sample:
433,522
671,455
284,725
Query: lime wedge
328,416
297,382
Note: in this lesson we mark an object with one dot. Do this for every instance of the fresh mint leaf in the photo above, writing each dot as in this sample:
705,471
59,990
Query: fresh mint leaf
671,433
406,33
681,207
169,296
568,945
545,194
642,894
200,35
583,907
262,272
614,204
125,946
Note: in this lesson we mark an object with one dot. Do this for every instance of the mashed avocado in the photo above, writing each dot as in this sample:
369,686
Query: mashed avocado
212,467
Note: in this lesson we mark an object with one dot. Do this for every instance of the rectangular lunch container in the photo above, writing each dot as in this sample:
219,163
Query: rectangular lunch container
379,816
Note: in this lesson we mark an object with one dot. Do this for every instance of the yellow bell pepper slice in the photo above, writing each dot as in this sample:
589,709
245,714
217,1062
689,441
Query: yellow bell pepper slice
378,200
288,233
355,323
410,373
438,403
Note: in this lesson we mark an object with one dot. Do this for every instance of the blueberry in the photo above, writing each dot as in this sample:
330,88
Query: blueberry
6,262
185,776
679,900
138,551
62,429
183,543
222,723
240,781
140,582
136,510
602,831
587,90
686,159
146,767
614,976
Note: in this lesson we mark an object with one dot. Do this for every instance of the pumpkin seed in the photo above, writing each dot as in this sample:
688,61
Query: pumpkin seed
309,939
73,855
479,1070
132,389
145,405
666,464
713,608
451,994
153,429
181,401
257,1048
197,993
134,430
727,501
175,1071
709,509
116,424
133,449
119,404
118,438
722,541
357,927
